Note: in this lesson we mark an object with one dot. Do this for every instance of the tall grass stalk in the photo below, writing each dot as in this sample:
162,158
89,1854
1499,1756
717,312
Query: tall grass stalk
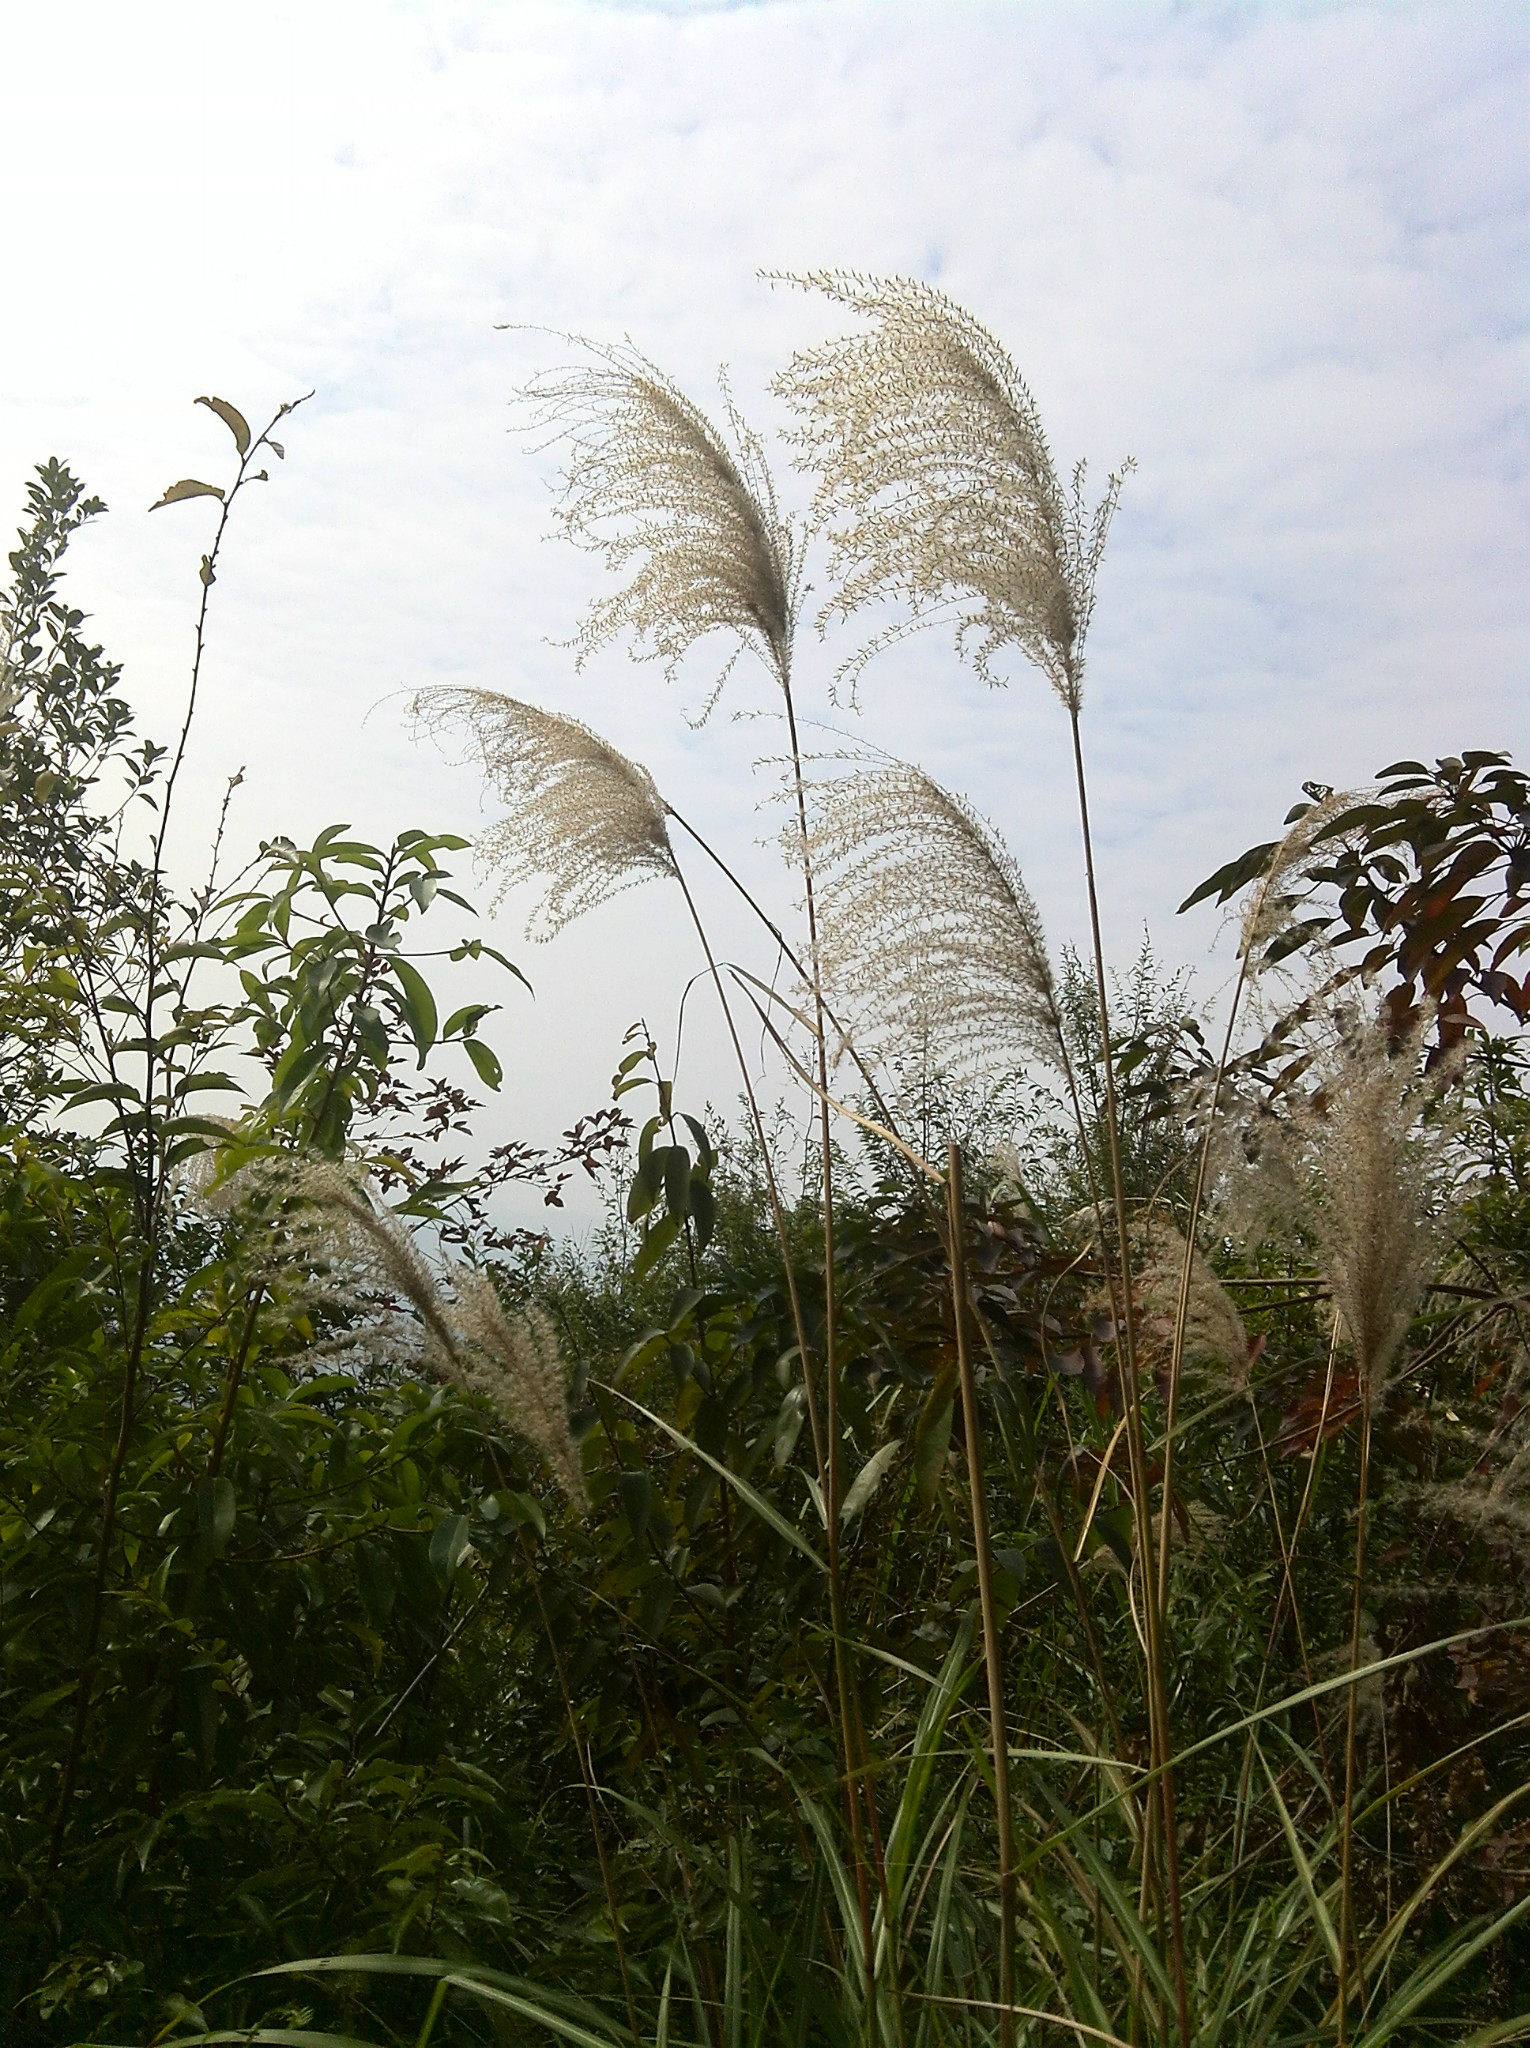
1162,1800
993,1656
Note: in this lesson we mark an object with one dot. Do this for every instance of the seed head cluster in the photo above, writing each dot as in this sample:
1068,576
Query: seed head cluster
582,819
1215,1335
937,484
685,514
927,933
1354,1158
318,1234
1287,883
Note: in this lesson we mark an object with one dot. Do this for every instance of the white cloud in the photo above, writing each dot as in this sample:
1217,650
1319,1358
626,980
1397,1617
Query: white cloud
1271,251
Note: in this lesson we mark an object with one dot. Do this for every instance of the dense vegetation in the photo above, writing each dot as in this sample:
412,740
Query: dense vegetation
1070,1584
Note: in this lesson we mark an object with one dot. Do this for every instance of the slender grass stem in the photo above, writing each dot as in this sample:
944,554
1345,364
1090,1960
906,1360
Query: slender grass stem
1351,1717
857,1777
1157,1700
983,1548
586,1778
777,1211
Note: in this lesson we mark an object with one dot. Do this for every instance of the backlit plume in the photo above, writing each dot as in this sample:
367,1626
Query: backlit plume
320,1235
937,484
581,819
687,515
1215,1335
1288,880
927,933
1353,1159
1378,1230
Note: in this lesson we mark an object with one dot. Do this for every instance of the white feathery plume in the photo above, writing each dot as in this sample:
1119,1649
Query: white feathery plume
1286,882
515,1363
327,1239
1379,1226
1214,1331
927,933
687,515
1355,1162
938,486
582,818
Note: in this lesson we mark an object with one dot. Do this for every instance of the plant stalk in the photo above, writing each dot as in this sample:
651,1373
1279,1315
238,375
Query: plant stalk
983,1549
1351,1717
1157,1699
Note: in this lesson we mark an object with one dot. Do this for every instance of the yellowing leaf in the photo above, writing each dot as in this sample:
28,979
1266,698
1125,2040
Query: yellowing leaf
232,418
188,487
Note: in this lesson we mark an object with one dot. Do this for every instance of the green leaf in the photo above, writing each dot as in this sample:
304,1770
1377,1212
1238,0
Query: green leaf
746,1493
467,1019
188,487
486,1062
636,1491
475,949
377,1580
932,1436
656,1243
232,418
1237,874
450,1544
677,1179
706,1158
417,1004
868,1479
789,1422
703,1211
217,1505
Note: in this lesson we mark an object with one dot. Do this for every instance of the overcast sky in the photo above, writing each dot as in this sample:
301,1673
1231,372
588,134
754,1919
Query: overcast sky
1277,253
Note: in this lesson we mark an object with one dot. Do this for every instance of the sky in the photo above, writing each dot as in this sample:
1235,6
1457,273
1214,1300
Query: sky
1275,253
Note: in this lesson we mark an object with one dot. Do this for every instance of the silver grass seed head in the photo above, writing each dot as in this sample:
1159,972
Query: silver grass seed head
1286,881
326,1239
1379,1221
1356,1159
514,1362
928,937
1215,1335
685,513
581,817
937,484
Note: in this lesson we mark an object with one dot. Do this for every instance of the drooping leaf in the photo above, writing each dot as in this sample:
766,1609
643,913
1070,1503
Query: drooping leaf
637,1499
1237,874
868,1479
932,1435
417,1004
217,1505
376,1579
450,1544
232,418
485,1062
188,487
655,1244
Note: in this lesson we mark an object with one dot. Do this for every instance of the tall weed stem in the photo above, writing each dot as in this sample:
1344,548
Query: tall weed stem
983,1550
1351,1716
1158,1717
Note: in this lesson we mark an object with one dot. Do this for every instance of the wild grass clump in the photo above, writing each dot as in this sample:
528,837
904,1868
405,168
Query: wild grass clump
1034,1572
